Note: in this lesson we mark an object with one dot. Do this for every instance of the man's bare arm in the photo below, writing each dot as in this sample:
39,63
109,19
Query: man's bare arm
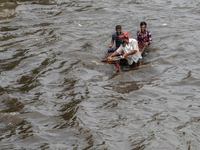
111,45
113,54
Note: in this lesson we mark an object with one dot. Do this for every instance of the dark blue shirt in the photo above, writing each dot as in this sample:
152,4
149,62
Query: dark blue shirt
116,39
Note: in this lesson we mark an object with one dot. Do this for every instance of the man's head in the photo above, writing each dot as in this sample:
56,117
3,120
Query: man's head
124,38
118,29
143,26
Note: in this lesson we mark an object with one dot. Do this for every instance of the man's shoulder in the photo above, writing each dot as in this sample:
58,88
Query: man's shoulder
132,40
148,32
115,34
138,32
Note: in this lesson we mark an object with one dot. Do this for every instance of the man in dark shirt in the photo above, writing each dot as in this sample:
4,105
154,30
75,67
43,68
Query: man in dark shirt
144,36
116,39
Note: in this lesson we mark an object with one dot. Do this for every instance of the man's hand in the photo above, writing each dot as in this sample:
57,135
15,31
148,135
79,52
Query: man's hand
108,57
146,44
110,46
113,54
124,55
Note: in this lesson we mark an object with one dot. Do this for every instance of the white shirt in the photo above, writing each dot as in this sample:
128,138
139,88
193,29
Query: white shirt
132,45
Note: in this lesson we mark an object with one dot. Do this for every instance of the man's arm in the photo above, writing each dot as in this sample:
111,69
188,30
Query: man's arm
112,42
138,36
113,54
146,44
130,53
149,38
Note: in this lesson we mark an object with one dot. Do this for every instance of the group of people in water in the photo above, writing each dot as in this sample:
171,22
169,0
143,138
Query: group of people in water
129,47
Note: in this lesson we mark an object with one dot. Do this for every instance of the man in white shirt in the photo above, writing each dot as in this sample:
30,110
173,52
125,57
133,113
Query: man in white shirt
129,49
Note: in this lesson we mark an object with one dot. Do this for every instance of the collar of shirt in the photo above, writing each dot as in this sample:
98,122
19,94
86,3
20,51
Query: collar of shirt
140,33
128,46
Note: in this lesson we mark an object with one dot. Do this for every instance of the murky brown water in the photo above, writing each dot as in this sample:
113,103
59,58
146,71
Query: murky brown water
55,92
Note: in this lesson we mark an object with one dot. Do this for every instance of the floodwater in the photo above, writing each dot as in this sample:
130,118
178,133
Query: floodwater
56,94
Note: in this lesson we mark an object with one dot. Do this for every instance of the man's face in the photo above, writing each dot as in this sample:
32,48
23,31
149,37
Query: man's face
143,28
124,42
118,31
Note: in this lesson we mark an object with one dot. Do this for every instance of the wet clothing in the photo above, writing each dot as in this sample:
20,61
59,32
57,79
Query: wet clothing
116,39
144,39
132,45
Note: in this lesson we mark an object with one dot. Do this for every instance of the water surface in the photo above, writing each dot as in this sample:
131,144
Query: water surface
55,92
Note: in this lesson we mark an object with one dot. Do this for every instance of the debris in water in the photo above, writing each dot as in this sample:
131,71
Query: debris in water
164,24
97,63
80,25
7,21
150,131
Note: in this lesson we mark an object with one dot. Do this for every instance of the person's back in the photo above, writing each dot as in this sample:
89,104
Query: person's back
115,38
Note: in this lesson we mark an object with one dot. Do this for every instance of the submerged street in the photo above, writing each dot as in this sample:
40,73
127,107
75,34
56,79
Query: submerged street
55,92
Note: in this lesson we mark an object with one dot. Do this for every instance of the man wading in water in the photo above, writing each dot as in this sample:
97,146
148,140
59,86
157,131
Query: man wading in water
129,49
144,36
116,39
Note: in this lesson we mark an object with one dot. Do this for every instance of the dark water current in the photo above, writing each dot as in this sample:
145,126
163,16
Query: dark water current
56,94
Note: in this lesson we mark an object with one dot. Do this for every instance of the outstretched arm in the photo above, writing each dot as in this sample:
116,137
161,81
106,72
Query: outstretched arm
130,53
113,54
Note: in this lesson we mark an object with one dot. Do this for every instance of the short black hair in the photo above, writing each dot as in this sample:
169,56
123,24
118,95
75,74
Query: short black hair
118,27
143,23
